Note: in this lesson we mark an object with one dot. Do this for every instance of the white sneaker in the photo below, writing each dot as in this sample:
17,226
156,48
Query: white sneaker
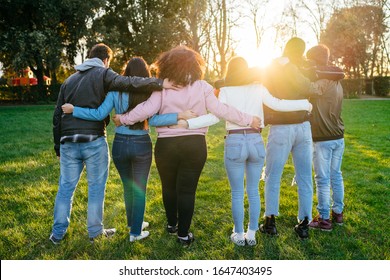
144,225
250,237
237,239
143,235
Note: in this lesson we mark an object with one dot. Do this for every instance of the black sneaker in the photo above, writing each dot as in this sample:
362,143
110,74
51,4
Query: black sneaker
171,229
107,232
269,226
188,241
54,240
302,229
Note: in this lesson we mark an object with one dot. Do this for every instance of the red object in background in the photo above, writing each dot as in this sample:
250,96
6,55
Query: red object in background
16,82
33,81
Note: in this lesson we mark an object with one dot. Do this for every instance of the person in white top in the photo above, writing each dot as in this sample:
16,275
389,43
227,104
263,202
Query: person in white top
244,147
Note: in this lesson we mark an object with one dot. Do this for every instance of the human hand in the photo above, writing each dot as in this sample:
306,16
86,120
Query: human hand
116,119
189,114
180,124
169,84
256,123
67,108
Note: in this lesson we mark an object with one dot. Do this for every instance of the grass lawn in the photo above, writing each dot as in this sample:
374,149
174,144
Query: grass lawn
29,174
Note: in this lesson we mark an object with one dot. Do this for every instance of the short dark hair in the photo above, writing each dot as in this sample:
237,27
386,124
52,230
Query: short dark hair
101,51
319,53
294,49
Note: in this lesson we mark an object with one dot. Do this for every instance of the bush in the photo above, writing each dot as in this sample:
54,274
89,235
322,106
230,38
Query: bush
29,94
382,86
369,86
352,87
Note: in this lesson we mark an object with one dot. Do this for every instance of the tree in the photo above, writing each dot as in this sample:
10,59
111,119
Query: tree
221,44
316,14
139,28
42,33
354,36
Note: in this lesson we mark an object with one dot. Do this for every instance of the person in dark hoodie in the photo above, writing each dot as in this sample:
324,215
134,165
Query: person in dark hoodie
328,136
80,142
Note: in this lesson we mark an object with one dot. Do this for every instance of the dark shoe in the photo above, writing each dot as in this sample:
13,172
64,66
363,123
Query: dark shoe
302,229
188,241
337,218
109,232
171,229
322,224
269,226
54,240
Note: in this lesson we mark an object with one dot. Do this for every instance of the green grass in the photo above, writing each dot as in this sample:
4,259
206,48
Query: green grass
29,174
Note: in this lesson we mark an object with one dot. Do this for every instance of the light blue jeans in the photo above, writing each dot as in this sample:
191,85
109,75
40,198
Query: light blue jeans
327,158
73,157
244,155
283,139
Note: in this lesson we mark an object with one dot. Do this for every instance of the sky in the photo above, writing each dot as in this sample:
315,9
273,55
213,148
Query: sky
263,56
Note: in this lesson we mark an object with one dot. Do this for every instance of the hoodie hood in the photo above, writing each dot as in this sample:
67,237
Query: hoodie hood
90,63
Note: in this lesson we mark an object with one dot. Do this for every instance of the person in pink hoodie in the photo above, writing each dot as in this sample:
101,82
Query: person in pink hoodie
180,154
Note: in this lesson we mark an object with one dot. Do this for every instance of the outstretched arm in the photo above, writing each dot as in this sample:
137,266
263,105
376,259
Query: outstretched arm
89,114
285,105
141,112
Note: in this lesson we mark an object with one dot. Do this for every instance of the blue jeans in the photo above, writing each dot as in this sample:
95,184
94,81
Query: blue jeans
132,156
244,154
283,139
73,157
327,158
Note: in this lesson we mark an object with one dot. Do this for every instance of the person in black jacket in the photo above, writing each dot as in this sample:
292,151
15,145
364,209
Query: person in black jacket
80,142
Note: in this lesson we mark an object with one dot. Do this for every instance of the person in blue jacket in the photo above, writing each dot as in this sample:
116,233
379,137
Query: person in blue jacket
132,146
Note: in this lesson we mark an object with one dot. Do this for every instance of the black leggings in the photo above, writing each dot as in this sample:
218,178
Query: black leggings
179,162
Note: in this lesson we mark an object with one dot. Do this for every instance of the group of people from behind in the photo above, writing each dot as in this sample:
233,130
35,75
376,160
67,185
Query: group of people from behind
182,106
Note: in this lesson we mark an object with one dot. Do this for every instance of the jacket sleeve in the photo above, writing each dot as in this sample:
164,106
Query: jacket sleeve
97,114
115,82
301,84
57,120
163,120
283,105
330,73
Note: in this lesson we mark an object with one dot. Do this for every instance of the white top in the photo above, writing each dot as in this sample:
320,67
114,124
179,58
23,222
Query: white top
249,99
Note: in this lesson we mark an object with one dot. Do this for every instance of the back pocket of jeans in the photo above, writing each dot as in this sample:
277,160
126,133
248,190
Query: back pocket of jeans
233,151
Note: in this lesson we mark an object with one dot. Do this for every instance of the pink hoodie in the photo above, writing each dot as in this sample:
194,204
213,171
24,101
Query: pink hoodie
198,97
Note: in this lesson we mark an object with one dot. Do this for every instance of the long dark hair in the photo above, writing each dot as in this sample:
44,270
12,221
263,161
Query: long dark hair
238,73
137,66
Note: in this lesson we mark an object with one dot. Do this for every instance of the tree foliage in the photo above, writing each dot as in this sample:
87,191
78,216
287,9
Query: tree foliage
354,36
42,34
139,28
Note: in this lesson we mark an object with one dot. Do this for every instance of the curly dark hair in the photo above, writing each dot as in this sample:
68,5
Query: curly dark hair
181,64
137,66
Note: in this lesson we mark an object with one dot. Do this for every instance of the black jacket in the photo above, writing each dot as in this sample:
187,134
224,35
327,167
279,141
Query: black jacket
88,88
